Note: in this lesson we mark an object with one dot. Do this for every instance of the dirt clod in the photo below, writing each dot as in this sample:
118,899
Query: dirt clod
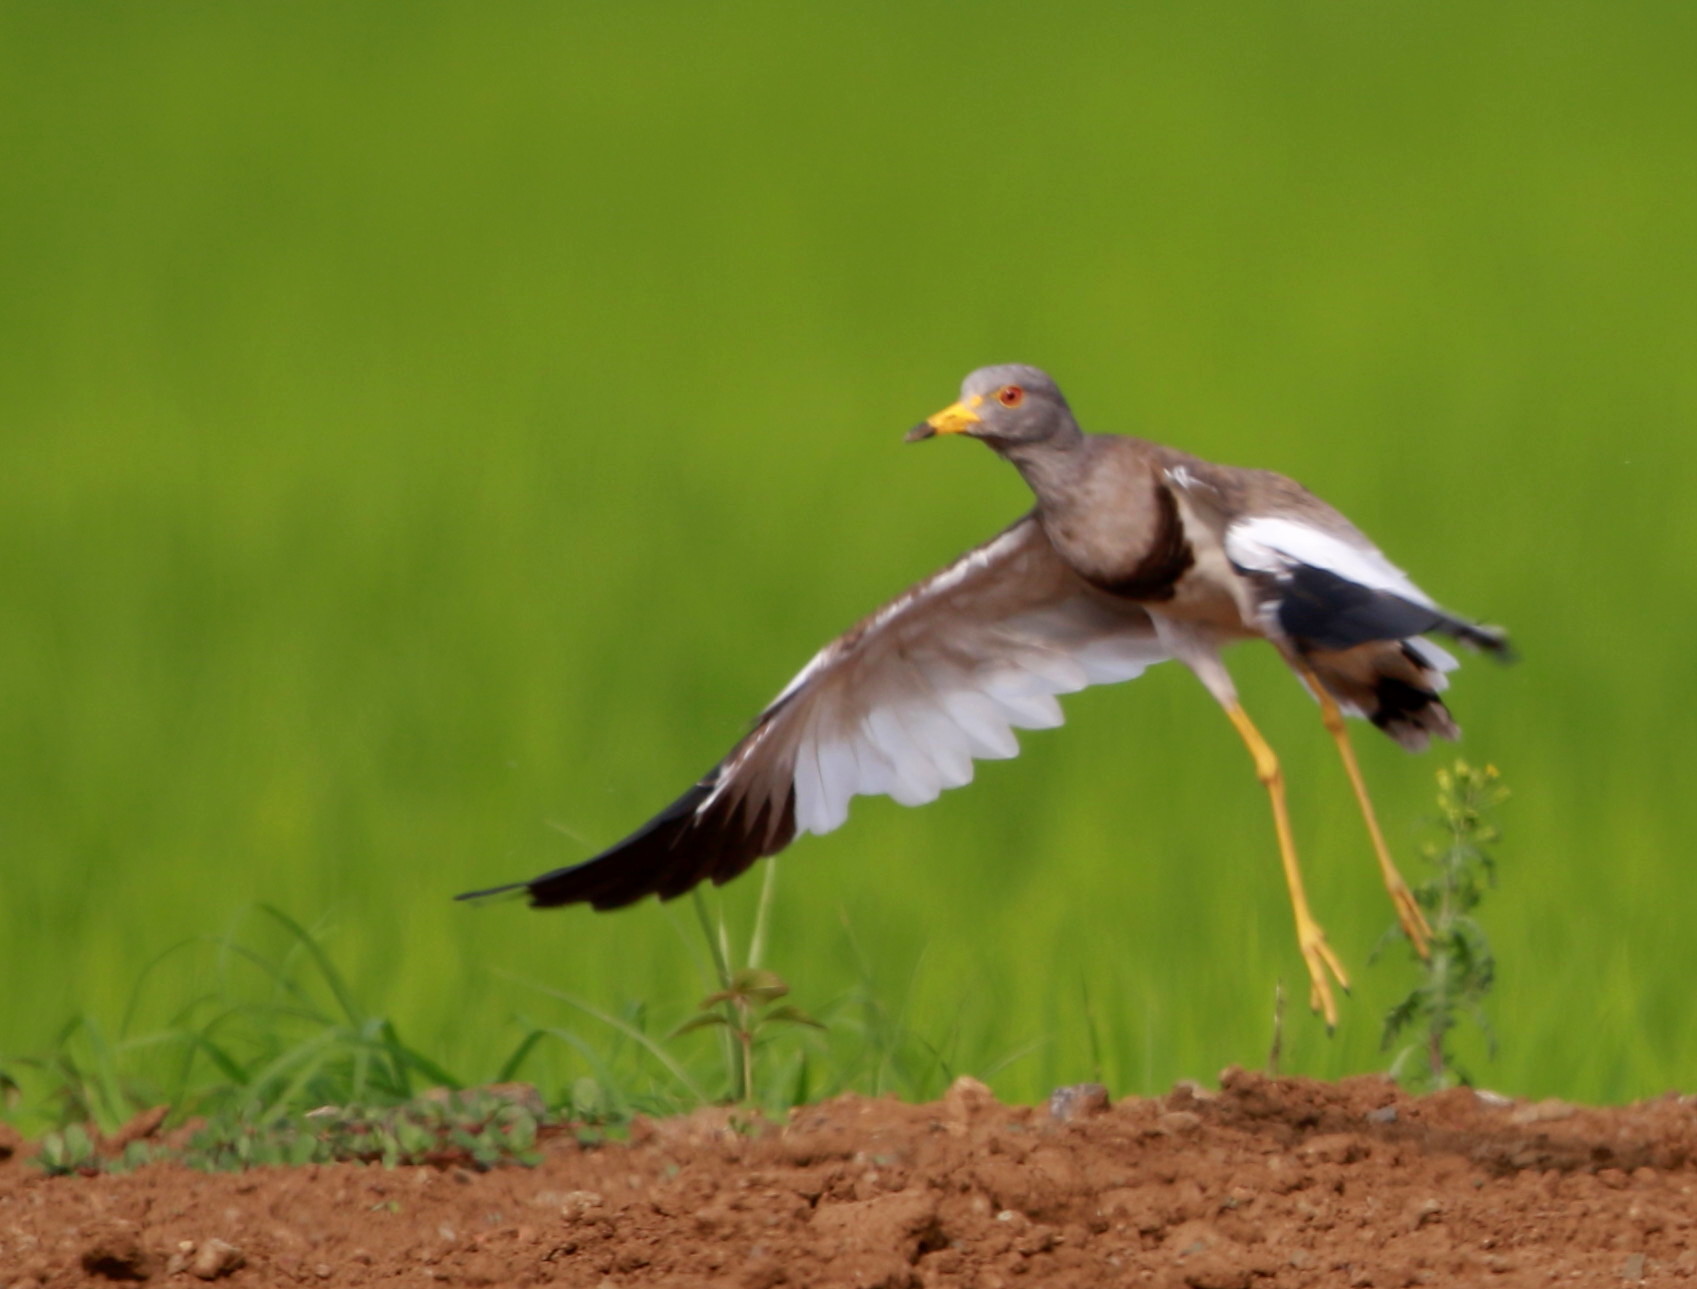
216,1258
1266,1184
114,1251
966,1099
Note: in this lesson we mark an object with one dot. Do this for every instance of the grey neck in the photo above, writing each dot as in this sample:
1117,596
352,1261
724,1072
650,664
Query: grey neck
1054,467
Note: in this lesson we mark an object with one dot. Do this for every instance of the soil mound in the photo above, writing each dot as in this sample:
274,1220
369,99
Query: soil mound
1267,1183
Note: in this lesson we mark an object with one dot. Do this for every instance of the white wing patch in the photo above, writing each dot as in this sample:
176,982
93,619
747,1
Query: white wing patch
1269,544
942,676
932,716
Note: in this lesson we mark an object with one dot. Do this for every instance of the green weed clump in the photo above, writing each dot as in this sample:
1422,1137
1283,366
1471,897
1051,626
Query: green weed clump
292,1070
1457,977
279,1031
479,1128
280,1063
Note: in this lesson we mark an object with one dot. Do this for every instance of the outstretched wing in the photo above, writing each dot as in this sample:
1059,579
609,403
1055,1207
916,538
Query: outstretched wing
1331,590
900,705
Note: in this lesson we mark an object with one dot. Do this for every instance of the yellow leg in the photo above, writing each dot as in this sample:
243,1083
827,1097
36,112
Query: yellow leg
1408,913
1310,939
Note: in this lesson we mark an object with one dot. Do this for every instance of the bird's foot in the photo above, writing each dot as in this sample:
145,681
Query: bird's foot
1409,915
1317,955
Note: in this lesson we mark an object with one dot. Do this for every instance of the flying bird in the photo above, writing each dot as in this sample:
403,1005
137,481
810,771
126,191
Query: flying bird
1134,553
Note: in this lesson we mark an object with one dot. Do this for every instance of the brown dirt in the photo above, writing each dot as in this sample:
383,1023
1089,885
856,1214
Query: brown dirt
1270,1182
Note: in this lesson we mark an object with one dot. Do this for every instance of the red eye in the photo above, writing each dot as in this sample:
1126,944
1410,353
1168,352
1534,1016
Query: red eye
1010,395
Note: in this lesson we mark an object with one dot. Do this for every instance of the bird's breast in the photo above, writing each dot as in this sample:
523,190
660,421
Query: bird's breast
1135,552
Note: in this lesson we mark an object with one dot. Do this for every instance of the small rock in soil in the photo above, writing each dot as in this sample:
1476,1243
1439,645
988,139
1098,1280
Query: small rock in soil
1179,1123
576,1205
216,1258
1547,1111
967,1098
1079,1101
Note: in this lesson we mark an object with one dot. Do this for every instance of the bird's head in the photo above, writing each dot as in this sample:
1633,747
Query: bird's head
1006,406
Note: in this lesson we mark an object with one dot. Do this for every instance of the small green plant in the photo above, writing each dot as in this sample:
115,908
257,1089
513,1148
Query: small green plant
70,1150
746,1002
1458,975
747,1005
743,1008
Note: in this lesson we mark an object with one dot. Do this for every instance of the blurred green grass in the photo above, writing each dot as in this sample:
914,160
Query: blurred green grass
430,433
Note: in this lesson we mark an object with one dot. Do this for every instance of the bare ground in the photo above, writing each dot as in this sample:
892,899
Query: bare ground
1267,1183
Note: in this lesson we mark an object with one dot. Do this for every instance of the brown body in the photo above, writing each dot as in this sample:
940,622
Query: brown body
1148,523
1135,553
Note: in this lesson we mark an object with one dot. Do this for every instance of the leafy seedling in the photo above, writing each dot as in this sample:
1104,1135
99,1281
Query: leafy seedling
745,1007
1456,979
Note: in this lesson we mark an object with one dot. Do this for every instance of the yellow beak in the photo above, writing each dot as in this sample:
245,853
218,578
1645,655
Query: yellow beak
956,418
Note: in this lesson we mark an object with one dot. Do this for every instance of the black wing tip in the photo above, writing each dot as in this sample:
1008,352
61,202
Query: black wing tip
1489,640
1326,610
553,890
1329,611
492,894
1480,638
684,845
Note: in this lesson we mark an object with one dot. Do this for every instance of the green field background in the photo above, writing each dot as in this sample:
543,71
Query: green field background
430,432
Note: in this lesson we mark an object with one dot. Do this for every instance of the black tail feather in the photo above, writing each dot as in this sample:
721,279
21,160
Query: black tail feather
1410,714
